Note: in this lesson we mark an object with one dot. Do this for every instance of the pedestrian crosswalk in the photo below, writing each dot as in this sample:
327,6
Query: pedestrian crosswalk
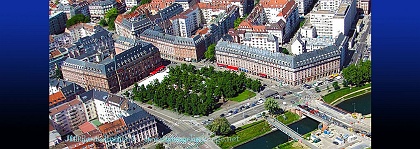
173,141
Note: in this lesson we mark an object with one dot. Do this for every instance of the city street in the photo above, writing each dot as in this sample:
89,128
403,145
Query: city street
188,126
361,45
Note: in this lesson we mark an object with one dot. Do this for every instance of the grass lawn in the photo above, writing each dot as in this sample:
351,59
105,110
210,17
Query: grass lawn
243,96
96,122
329,98
291,145
290,118
245,133
307,135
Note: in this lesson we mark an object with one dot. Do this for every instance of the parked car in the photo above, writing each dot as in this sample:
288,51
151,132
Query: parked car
149,107
222,115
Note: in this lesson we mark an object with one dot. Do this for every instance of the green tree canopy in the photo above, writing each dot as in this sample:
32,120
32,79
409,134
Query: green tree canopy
160,146
285,51
209,54
110,17
335,85
358,74
271,105
220,126
79,18
58,74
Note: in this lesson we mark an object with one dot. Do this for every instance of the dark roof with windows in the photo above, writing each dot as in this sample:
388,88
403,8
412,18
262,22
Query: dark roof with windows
277,57
108,66
177,40
141,116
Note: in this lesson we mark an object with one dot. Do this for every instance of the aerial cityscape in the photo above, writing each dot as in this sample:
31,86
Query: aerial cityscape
210,74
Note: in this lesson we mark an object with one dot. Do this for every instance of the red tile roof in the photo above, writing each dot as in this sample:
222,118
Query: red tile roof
287,9
273,3
64,106
112,127
56,98
87,127
203,31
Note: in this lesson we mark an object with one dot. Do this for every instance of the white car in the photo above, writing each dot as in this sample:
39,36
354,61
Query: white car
260,101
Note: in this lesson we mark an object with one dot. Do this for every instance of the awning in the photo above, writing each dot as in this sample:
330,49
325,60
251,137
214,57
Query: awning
232,67
157,70
220,65
262,75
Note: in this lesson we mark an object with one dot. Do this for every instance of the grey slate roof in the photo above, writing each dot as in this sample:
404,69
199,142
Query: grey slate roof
94,94
108,66
270,37
138,51
103,3
277,57
59,83
129,41
171,11
172,39
136,23
72,89
138,117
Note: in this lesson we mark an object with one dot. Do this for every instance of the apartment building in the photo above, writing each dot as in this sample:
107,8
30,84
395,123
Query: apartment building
98,8
97,70
137,128
293,70
176,47
57,23
68,116
187,23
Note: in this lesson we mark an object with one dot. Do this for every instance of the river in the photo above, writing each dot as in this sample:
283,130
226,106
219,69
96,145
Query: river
360,104
276,138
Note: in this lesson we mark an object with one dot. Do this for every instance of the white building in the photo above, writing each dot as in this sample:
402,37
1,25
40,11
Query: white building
308,32
68,116
322,21
330,5
286,10
98,9
298,46
186,23
263,41
81,30
344,18
331,23
106,107
131,3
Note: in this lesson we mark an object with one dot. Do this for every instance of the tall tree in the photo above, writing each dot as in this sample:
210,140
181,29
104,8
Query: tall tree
160,146
210,53
110,17
220,126
271,105
58,74
335,85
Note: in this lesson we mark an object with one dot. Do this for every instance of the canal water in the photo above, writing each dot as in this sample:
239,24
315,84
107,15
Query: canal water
276,138
361,104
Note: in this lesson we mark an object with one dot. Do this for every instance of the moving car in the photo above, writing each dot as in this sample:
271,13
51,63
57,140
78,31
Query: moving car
149,107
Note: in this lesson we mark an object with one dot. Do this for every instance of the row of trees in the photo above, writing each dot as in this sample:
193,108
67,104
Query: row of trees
358,74
195,92
79,18
109,18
